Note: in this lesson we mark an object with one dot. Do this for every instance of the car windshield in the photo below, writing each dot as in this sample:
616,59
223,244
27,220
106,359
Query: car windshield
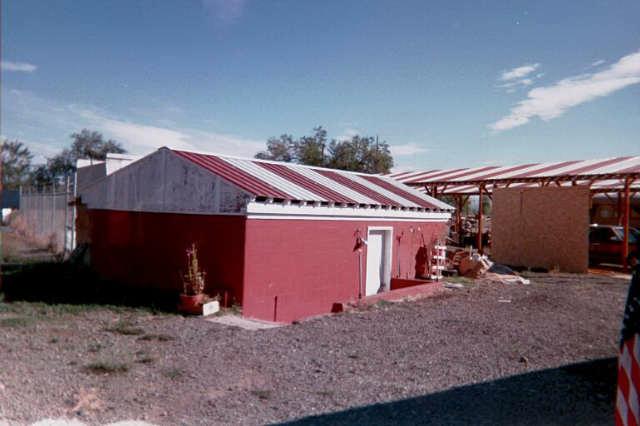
612,233
634,234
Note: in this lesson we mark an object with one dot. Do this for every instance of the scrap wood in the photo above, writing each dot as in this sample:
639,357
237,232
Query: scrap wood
474,266
506,279
454,256
453,285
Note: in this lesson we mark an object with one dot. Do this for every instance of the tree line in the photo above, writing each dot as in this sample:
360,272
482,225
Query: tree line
18,169
359,154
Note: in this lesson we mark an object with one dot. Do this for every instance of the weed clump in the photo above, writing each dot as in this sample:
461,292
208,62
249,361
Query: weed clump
106,367
126,328
173,373
15,322
156,337
262,393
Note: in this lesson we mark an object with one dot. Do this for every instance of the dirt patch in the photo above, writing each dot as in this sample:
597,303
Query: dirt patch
103,364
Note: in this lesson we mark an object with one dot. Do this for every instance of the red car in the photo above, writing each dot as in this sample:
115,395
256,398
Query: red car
605,243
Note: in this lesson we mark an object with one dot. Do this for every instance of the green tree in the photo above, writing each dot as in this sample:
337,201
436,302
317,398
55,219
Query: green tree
90,144
16,163
87,144
279,149
361,154
40,176
309,150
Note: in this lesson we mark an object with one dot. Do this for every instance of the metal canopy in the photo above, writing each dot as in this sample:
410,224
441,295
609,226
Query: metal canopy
618,174
601,175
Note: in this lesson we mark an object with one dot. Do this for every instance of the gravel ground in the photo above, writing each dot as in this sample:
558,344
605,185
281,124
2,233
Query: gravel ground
487,354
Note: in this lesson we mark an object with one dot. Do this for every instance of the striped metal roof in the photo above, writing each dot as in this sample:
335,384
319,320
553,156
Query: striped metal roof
293,182
601,174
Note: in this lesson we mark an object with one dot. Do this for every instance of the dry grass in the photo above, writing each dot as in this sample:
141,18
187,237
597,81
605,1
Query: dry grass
14,322
86,400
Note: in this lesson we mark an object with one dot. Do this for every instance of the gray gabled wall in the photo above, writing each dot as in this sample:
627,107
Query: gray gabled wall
164,182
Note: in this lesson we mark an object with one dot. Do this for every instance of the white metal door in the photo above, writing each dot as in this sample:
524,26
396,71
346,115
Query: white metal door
375,261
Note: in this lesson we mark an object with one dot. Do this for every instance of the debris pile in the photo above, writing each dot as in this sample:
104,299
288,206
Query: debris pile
470,264
474,266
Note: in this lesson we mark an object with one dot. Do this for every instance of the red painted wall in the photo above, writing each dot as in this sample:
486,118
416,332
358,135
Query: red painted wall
308,265
149,249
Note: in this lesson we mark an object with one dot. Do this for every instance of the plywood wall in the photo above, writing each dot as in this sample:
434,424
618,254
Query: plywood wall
541,227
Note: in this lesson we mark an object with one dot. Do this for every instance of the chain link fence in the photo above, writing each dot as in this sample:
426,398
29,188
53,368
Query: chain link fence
47,216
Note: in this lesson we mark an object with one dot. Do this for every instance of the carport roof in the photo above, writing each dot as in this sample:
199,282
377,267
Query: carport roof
602,175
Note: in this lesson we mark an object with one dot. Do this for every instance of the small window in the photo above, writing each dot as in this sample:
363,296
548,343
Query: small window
600,235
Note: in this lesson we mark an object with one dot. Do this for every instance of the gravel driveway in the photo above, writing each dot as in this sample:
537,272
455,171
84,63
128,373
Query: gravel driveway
487,354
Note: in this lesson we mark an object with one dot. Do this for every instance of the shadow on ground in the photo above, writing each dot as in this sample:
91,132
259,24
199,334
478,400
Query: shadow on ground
70,283
577,394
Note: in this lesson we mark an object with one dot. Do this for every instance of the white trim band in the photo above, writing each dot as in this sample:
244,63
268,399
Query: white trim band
256,210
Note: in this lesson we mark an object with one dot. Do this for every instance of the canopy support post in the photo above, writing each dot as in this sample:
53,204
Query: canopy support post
479,233
625,224
459,206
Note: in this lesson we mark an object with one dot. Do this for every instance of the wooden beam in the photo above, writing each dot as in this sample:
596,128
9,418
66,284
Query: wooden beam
460,205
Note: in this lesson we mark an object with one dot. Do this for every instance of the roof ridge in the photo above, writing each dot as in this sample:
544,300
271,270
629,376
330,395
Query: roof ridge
259,160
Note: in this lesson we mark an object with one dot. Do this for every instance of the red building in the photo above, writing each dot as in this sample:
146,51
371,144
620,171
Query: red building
277,238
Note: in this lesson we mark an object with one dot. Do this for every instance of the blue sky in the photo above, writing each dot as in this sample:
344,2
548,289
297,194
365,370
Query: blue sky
447,84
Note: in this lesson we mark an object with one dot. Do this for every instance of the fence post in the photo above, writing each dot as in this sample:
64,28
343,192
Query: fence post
53,214
41,214
74,211
66,216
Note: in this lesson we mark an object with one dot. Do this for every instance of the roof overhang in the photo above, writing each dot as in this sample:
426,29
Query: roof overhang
277,211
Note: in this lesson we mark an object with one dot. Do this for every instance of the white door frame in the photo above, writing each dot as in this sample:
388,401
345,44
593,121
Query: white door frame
387,254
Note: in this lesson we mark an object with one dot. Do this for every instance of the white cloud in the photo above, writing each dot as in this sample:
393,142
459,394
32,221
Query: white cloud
224,143
598,62
143,138
17,66
397,150
225,11
400,169
347,134
40,150
42,116
519,77
549,102
406,149
519,72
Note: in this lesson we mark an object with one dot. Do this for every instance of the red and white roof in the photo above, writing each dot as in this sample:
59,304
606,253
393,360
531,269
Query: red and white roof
289,182
607,173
